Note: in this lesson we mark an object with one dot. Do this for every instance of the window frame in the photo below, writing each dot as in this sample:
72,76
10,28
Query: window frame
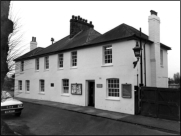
112,84
22,66
40,84
72,59
107,57
161,57
37,64
67,86
60,60
20,85
27,85
46,61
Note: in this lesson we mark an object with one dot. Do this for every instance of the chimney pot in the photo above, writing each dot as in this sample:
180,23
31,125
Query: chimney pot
153,12
91,22
33,43
86,21
52,40
72,16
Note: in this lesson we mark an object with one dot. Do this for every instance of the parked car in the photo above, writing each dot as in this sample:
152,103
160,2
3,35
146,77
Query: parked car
9,105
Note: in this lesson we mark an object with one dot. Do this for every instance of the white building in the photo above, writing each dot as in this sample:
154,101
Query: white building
87,68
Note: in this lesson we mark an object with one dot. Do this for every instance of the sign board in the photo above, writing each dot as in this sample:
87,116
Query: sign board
126,91
99,85
76,89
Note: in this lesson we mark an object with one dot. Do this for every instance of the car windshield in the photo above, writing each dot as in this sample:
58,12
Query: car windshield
5,95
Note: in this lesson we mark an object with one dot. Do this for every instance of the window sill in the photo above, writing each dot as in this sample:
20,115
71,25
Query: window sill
113,99
20,91
60,68
67,95
37,70
27,92
107,65
73,67
22,72
46,70
126,97
42,93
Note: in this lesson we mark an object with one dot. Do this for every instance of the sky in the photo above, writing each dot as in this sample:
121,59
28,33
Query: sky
47,19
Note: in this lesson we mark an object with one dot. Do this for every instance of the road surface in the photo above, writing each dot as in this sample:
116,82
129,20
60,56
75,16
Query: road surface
45,120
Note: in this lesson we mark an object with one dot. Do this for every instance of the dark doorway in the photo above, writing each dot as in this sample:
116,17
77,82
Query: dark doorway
91,93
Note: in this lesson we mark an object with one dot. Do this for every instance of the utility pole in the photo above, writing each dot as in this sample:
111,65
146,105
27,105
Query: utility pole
141,69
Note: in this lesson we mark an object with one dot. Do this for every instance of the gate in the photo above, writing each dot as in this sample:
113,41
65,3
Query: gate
161,103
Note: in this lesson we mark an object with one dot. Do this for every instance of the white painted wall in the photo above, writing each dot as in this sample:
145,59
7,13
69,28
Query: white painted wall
90,67
163,73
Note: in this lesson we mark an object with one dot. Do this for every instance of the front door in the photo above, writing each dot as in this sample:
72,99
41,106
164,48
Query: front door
91,93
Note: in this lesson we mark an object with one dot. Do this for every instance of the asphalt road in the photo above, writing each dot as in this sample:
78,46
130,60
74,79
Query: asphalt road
45,120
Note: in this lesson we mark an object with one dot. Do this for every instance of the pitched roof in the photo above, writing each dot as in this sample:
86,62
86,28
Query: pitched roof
122,31
30,53
89,37
118,32
65,43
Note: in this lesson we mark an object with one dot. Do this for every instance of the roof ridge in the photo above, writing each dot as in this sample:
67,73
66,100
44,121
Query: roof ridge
112,29
36,51
56,42
135,29
128,29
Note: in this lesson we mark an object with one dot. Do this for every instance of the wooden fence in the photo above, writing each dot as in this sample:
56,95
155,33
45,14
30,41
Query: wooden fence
161,103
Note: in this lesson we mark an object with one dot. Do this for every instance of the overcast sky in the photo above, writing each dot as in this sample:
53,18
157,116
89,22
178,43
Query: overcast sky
46,19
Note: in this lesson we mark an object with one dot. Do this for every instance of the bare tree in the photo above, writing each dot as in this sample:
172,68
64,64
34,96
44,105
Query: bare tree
6,29
16,48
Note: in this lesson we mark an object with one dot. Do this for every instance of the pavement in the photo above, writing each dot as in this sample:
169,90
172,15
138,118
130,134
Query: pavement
149,122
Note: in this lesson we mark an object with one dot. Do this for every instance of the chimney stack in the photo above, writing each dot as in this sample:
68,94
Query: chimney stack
154,27
154,35
78,24
33,44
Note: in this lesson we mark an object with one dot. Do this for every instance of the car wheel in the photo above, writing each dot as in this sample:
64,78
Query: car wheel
18,114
